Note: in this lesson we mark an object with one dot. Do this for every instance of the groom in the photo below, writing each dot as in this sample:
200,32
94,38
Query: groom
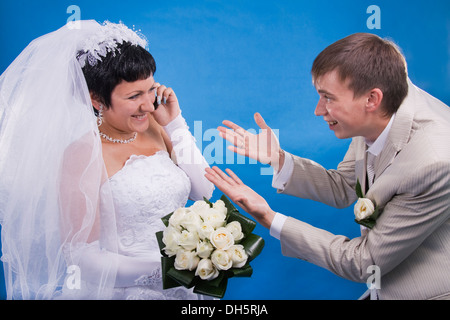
400,153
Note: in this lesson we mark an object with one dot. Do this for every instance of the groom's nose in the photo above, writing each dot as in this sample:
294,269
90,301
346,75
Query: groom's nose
321,110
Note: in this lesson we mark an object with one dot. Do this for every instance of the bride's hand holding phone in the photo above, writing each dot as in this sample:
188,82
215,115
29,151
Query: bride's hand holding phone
166,105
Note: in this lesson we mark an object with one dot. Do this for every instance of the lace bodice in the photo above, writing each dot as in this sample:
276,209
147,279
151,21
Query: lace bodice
145,190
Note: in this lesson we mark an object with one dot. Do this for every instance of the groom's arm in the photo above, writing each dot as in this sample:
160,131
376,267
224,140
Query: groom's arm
285,182
307,179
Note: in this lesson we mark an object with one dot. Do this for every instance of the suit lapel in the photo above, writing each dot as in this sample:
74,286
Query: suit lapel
398,135
385,158
360,162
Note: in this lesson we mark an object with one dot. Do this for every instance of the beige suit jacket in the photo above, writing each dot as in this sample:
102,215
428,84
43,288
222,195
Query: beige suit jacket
410,242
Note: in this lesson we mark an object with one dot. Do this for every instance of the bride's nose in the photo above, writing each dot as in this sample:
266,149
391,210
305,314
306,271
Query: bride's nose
147,105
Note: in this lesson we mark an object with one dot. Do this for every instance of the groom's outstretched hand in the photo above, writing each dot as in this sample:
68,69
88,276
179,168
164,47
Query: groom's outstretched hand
263,147
242,195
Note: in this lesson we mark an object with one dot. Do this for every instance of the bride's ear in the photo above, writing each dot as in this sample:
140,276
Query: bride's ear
95,101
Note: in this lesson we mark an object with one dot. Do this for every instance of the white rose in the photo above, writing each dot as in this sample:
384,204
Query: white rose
238,255
214,217
188,240
191,221
204,249
186,260
363,209
236,230
219,205
177,216
170,238
199,207
206,270
221,260
205,230
222,239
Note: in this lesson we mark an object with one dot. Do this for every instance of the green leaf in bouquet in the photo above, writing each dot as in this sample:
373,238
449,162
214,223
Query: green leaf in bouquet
215,288
166,265
228,204
234,215
208,202
217,281
247,224
245,271
165,219
253,245
184,277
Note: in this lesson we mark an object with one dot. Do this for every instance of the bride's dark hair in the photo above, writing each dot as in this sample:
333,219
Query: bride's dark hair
127,62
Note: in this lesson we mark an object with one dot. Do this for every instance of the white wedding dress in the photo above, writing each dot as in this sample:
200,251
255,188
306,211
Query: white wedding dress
69,232
127,254
145,190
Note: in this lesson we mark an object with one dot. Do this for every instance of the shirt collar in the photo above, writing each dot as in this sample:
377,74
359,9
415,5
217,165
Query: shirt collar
376,146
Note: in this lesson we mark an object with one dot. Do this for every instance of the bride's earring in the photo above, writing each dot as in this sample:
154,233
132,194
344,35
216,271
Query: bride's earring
100,116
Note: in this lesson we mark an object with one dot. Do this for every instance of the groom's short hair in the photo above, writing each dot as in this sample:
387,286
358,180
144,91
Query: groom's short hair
369,62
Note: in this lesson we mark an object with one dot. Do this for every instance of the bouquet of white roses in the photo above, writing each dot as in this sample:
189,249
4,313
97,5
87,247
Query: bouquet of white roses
205,244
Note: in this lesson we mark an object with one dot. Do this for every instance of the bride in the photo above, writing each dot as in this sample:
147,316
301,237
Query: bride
82,195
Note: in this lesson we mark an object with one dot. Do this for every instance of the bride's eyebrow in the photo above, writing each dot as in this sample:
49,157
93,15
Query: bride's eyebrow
134,92
137,91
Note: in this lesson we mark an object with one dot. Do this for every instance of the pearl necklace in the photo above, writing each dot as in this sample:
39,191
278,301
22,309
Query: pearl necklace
106,137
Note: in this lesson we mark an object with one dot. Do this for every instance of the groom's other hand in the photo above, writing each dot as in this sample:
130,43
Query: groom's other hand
246,198
263,147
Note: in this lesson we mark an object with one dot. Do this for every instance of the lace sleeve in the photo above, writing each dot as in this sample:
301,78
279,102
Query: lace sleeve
189,158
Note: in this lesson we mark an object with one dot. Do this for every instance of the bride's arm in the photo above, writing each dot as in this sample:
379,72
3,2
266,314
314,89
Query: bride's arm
188,157
83,190
95,263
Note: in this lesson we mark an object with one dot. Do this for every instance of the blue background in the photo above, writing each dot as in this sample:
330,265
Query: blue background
230,59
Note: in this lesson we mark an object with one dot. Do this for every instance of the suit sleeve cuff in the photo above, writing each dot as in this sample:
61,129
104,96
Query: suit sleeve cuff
277,225
281,178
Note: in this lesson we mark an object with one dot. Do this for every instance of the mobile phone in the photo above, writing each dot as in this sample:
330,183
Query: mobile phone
156,103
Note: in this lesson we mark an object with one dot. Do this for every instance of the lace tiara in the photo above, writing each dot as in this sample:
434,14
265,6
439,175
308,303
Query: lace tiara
94,48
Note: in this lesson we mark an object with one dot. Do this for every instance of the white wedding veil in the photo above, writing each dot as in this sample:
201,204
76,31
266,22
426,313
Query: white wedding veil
55,205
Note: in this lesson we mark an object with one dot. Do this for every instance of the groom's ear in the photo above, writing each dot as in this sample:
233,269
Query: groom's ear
374,99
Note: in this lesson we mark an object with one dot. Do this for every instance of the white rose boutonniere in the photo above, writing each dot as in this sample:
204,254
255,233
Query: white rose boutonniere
363,209
366,211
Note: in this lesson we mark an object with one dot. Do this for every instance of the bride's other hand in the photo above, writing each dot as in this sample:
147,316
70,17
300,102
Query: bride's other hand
168,107
263,147
241,194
